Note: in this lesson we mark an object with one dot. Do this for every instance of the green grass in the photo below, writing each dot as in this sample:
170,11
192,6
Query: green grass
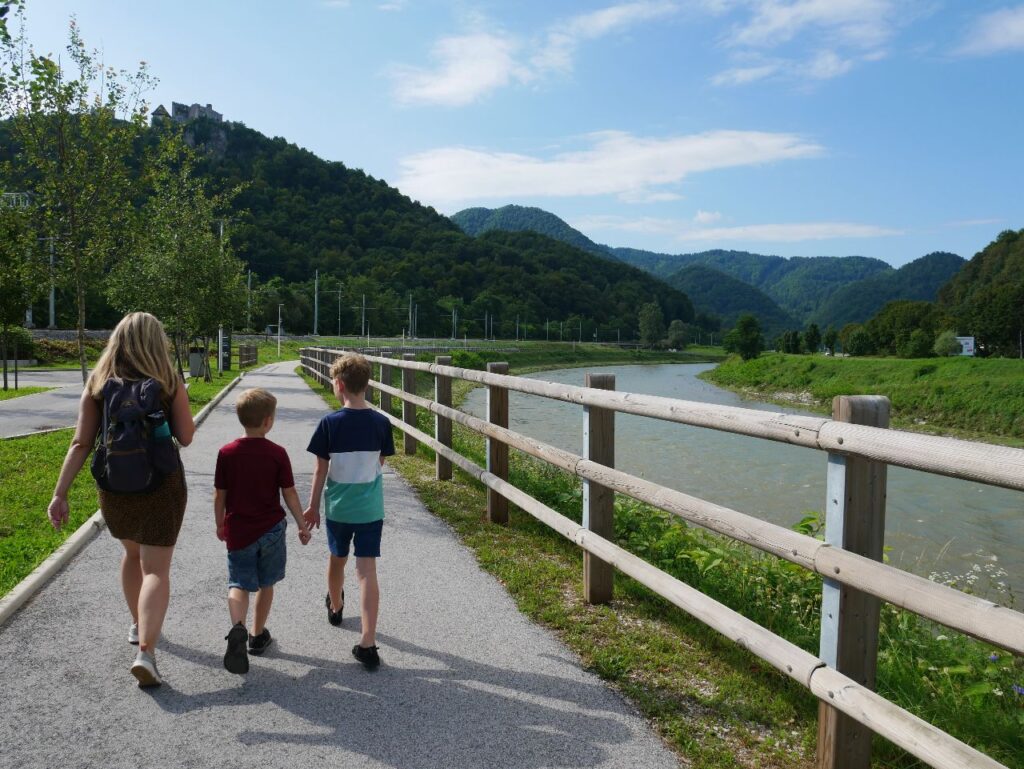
969,397
713,702
30,468
6,395
201,392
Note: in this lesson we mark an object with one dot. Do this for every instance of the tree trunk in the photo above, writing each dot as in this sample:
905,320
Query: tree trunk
207,374
80,286
3,351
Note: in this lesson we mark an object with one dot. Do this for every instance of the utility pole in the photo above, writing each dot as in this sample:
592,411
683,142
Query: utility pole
547,329
316,304
248,302
517,327
339,311
410,313
53,285
362,328
279,330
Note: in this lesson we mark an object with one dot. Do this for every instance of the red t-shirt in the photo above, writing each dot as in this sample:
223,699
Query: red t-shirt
252,471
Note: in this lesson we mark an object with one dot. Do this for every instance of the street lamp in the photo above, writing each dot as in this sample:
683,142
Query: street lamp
279,331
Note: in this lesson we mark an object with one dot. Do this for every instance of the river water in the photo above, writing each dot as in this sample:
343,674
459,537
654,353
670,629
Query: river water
933,523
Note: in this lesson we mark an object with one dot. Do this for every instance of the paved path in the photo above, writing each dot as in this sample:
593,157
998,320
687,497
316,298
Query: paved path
42,411
467,681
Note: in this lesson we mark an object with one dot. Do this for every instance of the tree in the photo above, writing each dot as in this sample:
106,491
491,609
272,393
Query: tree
73,130
677,334
745,339
830,339
20,275
918,345
856,340
791,342
652,324
182,269
946,344
812,338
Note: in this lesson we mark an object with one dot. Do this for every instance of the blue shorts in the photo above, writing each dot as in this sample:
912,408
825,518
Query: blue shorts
366,536
260,564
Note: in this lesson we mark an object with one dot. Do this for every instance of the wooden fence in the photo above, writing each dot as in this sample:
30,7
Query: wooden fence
248,355
859,447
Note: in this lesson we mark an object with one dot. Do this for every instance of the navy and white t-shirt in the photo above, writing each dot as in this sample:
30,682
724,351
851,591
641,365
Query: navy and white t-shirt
353,440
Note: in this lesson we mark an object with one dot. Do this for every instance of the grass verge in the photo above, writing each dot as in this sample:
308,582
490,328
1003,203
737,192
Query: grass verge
6,395
980,398
31,466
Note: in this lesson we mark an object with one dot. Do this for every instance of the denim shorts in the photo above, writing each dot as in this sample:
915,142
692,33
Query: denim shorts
366,536
260,564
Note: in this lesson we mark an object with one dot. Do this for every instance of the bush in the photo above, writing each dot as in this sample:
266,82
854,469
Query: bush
467,359
918,345
20,337
946,344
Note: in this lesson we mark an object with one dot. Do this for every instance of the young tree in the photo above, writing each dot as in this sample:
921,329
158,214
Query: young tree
73,123
182,268
830,339
745,339
677,334
812,338
946,344
652,324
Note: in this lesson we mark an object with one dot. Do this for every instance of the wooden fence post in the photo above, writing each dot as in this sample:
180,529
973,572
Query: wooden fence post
854,521
385,378
443,425
598,501
409,409
497,452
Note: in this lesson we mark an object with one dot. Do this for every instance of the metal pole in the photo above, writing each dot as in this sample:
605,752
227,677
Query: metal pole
362,327
316,304
279,330
53,311
339,312
248,302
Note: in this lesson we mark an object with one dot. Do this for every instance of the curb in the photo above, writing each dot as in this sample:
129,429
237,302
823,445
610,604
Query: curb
37,432
84,534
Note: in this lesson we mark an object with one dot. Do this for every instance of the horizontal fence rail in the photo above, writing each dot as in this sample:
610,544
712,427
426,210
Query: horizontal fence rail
980,618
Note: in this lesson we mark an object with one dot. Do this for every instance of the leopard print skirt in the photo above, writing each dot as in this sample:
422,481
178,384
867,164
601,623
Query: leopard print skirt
153,518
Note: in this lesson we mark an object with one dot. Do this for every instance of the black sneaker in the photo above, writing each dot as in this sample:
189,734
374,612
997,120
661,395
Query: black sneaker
334,617
367,655
235,658
259,643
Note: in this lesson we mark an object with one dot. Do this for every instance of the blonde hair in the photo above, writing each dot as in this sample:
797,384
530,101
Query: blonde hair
255,405
137,349
353,370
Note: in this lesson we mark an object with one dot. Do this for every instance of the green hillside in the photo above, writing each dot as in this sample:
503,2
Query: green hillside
986,298
920,280
299,213
476,221
714,292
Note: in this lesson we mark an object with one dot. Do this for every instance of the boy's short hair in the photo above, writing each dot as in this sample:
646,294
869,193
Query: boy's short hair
255,405
353,370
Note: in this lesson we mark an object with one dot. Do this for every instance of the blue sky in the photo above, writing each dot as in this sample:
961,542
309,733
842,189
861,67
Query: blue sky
887,128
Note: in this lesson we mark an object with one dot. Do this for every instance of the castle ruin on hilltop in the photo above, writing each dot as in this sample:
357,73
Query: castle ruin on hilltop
183,113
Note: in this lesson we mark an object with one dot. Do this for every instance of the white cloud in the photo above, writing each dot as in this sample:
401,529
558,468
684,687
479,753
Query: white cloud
706,217
996,32
616,163
562,40
863,23
469,66
788,233
472,65
644,224
827,65
744,75
973,222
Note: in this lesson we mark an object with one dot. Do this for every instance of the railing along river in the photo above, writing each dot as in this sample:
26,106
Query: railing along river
855,581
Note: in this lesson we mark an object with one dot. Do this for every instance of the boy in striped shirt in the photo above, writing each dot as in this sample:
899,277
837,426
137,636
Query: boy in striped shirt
350,445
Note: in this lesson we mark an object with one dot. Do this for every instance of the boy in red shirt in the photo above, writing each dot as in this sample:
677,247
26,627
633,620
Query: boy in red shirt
252,474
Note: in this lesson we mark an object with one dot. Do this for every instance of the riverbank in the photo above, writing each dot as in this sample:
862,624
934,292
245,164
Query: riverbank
973,398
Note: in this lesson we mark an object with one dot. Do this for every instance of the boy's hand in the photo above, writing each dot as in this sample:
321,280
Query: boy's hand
311,517
304,535
222,532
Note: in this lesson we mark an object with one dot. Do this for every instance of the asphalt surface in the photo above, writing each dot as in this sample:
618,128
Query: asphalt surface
42,411
466,680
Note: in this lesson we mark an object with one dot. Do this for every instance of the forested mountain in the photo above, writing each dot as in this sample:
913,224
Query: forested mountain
716,293
476,221
298,213
919,280
799,285
986,298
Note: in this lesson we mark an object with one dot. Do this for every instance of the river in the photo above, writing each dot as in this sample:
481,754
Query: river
933,523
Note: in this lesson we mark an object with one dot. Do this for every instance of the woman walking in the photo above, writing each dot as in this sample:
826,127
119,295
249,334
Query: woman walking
146,522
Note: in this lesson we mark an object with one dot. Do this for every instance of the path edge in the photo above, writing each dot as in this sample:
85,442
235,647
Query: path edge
84,534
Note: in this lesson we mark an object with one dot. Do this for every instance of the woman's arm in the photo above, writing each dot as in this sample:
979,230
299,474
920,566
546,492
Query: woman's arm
182,424
81,444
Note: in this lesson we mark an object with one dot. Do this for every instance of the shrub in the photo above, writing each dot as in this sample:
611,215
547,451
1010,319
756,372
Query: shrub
20,337
946,344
